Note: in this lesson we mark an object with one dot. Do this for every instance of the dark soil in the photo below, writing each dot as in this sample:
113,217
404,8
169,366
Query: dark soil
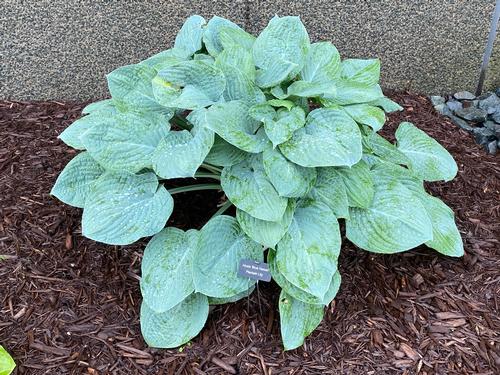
70,305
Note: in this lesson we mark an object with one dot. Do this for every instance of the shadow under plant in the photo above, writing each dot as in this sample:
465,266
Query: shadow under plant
480,115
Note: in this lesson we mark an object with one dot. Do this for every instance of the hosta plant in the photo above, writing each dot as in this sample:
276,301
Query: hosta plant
288,132
7,364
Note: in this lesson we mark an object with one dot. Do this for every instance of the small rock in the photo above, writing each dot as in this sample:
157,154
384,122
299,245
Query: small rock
454,105
491,104
464,95
483,135
469,103
443,109
472,114
461,123
491,125
496,117
436,99
497,91
484,96
492,147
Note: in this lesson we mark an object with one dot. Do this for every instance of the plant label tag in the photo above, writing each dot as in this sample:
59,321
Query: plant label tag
254,270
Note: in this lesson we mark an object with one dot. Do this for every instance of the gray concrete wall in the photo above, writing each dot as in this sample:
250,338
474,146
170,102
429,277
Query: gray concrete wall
62,49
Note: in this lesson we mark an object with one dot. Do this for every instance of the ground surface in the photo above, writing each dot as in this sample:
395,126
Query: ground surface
70,306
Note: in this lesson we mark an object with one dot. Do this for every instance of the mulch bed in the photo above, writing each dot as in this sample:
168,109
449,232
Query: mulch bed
70,305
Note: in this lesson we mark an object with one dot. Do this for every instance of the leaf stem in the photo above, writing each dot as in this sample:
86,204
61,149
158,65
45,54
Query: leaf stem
223,208
184,189
207,175
211,168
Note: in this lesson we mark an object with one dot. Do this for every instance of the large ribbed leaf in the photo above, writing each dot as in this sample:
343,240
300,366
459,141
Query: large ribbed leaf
235,37
428,159
311,89
166,268
298,293
396,220
130,86
367,115
385,149
289,179
224,154
125,141
248,188
98,106
386,104
190,34
7,364
446,237
297,320
365,72
322,63
267,233
190,85
236,297
331,190
307,254
280,50
169,57
221,246
231,121
329,138
212,35
237,65
73,184
352,93
122,207
359,184
176,326
71,135
180,153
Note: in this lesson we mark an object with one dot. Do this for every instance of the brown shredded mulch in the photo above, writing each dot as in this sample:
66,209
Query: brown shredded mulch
70,305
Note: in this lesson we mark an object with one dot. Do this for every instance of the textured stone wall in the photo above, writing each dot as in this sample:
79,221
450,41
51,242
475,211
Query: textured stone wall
54,49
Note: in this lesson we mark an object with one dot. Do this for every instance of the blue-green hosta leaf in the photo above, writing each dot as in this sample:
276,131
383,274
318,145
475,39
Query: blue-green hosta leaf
288,104
176,326
446,237
237,65
235,298
280,50
166,268
130,86
359,184
322,63
289,179
352,93
98,106
221,246
232,122
385,171
298,293
307,254
428,159
231,37
95,114
311,89
267,233
224,154
297,320
248,188
385,149
367,115
7,364
212,35
202,84
204,56
167,58
396,221
329,138
74,182
331,190
125,141
386,104
180,153
365,72
122,207
281,124
189,37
